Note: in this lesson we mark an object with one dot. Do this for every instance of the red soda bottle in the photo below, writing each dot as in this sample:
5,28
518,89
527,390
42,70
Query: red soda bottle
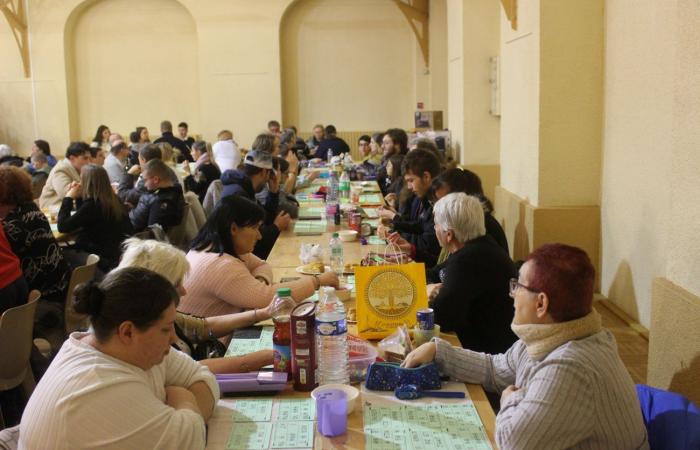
282,305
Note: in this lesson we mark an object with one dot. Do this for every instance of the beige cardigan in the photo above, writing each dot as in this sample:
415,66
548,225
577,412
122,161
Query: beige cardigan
56,187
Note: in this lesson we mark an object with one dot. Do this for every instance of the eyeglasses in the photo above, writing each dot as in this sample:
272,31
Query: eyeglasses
515,284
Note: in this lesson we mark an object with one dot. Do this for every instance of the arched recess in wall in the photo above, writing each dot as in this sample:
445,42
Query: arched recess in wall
347,62
131,63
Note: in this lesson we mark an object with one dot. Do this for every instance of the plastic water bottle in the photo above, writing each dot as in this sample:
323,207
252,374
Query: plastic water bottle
332,195
344,186
329,156
336,250
331,340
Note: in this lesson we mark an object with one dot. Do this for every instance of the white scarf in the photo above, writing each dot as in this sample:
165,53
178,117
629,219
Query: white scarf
541,339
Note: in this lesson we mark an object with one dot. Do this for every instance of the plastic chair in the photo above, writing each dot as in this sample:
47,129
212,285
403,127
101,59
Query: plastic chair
672,421
16,328
176,235
81,274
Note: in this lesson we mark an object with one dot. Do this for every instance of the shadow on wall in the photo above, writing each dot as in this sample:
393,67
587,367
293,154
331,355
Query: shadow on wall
621,290
521,238
686,380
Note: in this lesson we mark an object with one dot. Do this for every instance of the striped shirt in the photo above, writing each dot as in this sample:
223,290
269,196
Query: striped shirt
579,396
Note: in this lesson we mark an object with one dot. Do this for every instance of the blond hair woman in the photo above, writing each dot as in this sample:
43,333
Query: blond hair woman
171,263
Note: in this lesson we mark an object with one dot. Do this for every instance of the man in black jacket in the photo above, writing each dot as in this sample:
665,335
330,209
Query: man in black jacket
414,231
257,173
166,131
163,202
131,185
336,145
469,292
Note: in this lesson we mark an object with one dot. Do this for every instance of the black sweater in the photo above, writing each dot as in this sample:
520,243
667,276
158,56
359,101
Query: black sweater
97,233
474,300
43,266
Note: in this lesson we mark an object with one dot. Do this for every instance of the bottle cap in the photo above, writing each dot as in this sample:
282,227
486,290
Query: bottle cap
335,235
284,292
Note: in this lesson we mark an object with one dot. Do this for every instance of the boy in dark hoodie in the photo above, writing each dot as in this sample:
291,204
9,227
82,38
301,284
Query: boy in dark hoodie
257,172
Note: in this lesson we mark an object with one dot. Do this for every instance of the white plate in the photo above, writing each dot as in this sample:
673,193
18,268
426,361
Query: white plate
301,270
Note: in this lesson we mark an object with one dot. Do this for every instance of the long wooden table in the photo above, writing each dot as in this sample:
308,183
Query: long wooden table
284,260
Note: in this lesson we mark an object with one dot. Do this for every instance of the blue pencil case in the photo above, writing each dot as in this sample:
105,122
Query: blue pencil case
387,376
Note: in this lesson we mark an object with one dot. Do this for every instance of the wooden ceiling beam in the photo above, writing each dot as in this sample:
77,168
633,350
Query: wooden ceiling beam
16,16
417,12
510,7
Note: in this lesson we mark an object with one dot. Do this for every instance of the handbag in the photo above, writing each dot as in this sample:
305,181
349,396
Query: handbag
204,349
387,376
388,295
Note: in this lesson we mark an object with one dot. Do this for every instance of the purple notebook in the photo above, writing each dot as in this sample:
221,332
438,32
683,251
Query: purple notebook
251,381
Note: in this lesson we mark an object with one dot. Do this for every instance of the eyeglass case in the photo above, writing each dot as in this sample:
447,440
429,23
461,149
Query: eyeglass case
387,376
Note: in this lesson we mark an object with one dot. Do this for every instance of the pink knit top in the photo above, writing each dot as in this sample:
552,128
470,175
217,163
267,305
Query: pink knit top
221,284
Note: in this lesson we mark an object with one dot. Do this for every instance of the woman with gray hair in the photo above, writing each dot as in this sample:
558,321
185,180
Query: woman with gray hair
171,263
470,296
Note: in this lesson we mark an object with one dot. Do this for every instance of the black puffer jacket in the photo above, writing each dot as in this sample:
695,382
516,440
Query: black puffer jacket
163,206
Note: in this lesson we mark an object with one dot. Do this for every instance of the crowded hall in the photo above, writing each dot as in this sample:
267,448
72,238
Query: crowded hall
349,224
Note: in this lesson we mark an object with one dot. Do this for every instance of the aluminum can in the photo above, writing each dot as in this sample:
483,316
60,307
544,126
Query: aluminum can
355,219
303,348
426,319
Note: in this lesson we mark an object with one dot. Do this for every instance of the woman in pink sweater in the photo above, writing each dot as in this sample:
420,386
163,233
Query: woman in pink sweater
225,277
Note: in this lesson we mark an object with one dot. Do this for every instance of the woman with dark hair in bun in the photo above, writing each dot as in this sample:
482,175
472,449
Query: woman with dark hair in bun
119,385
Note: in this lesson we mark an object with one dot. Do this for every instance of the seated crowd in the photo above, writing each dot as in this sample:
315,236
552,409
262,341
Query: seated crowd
531,336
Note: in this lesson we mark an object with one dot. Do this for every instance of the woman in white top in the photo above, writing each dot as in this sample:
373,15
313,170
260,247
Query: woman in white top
226,152
120,386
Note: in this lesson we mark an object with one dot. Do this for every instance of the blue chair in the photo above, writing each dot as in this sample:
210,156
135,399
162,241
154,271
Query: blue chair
672,421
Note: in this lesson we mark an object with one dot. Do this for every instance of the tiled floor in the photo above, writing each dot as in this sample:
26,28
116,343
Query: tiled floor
633,346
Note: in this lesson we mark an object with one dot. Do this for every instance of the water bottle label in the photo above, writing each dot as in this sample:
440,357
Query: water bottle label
333,328
281,357
336,251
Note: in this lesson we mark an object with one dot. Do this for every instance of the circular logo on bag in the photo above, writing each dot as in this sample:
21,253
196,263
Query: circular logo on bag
390,293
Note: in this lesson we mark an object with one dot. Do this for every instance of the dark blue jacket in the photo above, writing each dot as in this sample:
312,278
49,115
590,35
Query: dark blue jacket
334,144
177,143
418,228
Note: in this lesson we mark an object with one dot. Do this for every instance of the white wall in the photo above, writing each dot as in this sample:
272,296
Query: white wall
520,96
438,59
135,64
455,73
650,185
481,42
350,63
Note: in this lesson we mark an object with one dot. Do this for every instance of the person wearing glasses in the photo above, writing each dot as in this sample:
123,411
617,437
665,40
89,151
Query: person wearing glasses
562,384
469,291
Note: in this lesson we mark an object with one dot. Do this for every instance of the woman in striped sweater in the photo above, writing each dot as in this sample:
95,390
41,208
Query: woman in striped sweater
563,384
225,277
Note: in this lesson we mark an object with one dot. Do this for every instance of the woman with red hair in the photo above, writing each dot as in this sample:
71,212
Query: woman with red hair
562,383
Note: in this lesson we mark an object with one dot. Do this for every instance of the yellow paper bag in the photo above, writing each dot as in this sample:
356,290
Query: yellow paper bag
388,296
